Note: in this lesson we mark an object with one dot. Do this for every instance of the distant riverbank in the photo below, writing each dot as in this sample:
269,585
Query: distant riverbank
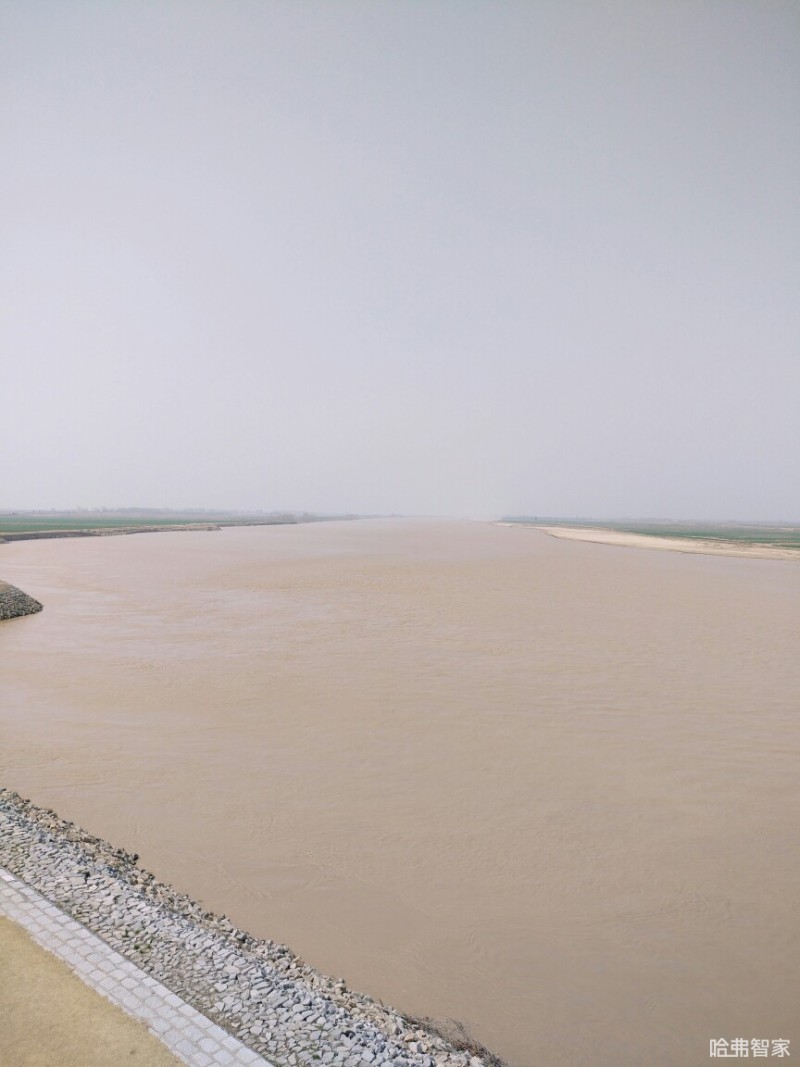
108,531
34,526
702,545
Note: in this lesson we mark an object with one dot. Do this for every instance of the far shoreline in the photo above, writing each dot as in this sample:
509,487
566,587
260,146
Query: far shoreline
697,546
38,529
113,531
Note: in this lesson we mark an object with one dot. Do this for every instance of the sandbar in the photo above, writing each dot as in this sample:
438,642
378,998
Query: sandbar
702,546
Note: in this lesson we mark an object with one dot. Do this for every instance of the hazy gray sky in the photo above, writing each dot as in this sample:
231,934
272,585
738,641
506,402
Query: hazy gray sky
441,256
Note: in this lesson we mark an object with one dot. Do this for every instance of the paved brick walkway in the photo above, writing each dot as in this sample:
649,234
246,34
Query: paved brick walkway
190,1036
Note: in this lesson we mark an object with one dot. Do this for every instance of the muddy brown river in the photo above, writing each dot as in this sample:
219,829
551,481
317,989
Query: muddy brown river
548,788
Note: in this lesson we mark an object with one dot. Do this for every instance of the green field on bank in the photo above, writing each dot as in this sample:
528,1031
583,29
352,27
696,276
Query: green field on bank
22,522
739,533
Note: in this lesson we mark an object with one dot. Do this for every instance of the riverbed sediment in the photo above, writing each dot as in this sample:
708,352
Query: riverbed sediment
257,990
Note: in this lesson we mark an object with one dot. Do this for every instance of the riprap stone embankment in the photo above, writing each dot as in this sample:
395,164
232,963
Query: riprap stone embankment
14,603
259,991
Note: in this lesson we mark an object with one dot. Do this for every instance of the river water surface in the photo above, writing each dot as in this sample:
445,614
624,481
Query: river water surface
548,788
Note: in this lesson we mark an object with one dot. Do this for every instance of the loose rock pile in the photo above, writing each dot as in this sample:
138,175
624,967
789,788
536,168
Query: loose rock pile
258,991
14,603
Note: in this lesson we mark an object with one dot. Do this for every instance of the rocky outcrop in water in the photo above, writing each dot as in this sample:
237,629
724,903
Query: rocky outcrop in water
14,603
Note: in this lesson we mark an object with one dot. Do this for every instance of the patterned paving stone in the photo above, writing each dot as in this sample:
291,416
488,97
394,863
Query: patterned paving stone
187,1033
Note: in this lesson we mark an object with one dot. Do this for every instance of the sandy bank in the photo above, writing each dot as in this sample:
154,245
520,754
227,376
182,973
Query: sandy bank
623,539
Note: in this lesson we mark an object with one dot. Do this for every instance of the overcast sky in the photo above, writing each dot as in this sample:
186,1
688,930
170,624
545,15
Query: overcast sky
443,256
